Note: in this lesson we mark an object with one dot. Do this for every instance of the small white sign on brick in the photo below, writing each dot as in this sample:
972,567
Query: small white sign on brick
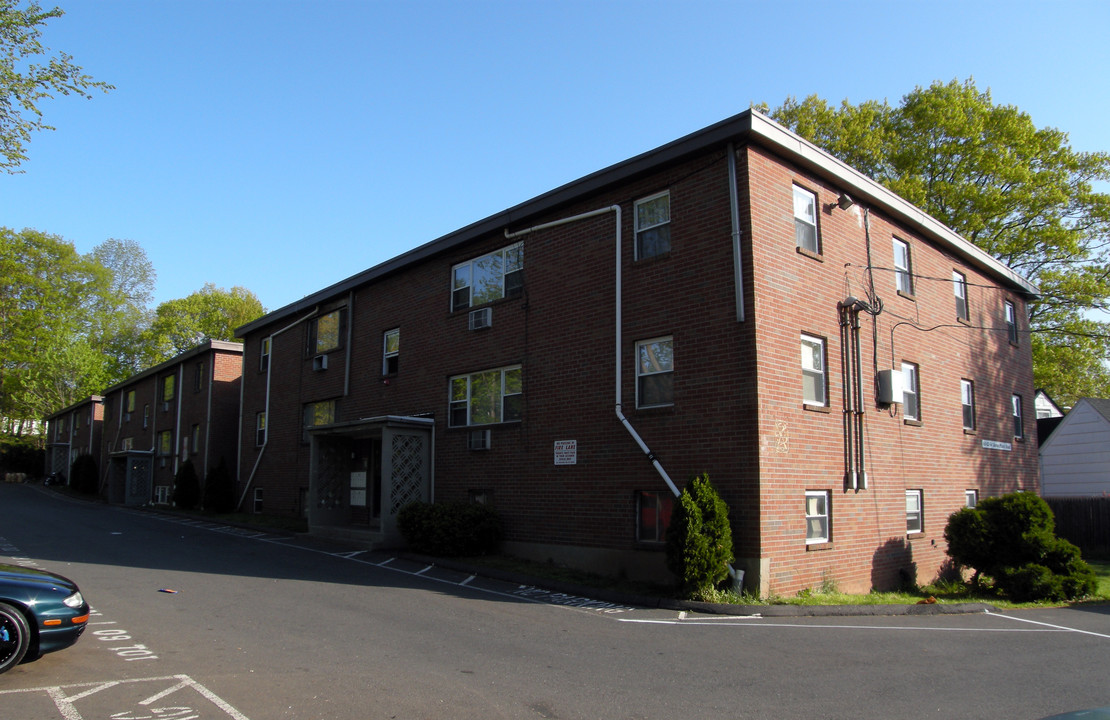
566,452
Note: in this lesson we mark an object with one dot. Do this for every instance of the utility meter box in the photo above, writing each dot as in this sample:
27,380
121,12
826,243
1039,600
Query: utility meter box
890,387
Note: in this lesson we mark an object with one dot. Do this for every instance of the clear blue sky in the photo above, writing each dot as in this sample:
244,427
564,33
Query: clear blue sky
283,146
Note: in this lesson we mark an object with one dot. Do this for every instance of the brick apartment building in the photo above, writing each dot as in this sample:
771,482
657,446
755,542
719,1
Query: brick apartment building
846,369
184,408
73,431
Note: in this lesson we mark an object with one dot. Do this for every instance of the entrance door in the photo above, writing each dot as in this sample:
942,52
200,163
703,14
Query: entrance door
366,481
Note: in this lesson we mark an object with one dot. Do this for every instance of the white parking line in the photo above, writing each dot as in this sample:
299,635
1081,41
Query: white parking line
1059,628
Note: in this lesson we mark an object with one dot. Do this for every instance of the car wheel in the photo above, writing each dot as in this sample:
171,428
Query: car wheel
15,637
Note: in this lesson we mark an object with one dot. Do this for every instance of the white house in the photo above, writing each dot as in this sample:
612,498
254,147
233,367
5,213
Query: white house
1075,459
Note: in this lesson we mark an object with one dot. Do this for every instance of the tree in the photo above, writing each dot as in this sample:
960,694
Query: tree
1020,193
48,358
124,314
211,313
24,83
699,539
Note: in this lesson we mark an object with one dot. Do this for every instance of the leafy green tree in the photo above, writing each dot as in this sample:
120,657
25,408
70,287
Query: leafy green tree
48,358
1019,192
124,313
219,489
211,313
29,73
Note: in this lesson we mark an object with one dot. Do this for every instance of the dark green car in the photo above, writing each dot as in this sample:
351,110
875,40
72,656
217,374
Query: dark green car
40,612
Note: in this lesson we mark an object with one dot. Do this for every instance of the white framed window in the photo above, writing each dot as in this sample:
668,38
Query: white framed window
653,226
198,377
817,516
130,407
391,350
264,354
914,512
168,388
971,498
814,378
805,220
1018,416
165,443
195,434
967,399
654,372
146,415
257,505
487,278
653,515
959,289
911,399
260,429
1011,323
485,398
903,273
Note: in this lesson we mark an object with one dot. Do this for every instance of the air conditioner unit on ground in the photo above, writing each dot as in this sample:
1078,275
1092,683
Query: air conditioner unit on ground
478,440
481,319
320,362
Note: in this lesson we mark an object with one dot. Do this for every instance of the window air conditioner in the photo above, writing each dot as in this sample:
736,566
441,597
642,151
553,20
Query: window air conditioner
890,387
478,440
480,319
320,362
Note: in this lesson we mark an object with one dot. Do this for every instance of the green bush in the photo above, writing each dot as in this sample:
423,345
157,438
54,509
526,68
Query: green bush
84,475
699,539
186,487
451,529
219,490
21,455
1012,540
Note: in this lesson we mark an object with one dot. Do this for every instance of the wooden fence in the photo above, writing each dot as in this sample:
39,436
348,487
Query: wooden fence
1085,522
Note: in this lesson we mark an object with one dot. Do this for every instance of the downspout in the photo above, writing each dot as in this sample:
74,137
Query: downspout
269,375
737,260
616,209
177,423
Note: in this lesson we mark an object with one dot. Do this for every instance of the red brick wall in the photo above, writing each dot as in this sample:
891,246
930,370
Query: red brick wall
803,450
737,412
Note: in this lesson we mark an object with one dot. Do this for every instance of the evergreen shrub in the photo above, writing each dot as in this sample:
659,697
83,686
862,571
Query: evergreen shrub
186,487
219,490
699,539
451,529
1012,540
84,475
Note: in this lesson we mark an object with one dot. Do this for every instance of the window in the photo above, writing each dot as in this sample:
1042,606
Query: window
817,516
162,495
967,398
264,355
165,443
654,373
653,226
959,287
167,388
128,443
971,498
260,429
326,332
813,371
198,377
488,278
903,275
914,513
391,346
257,505
1011,323
484,398
911,401
130,407
146,416
317,414
196,438
653,515
805,220
1019,425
